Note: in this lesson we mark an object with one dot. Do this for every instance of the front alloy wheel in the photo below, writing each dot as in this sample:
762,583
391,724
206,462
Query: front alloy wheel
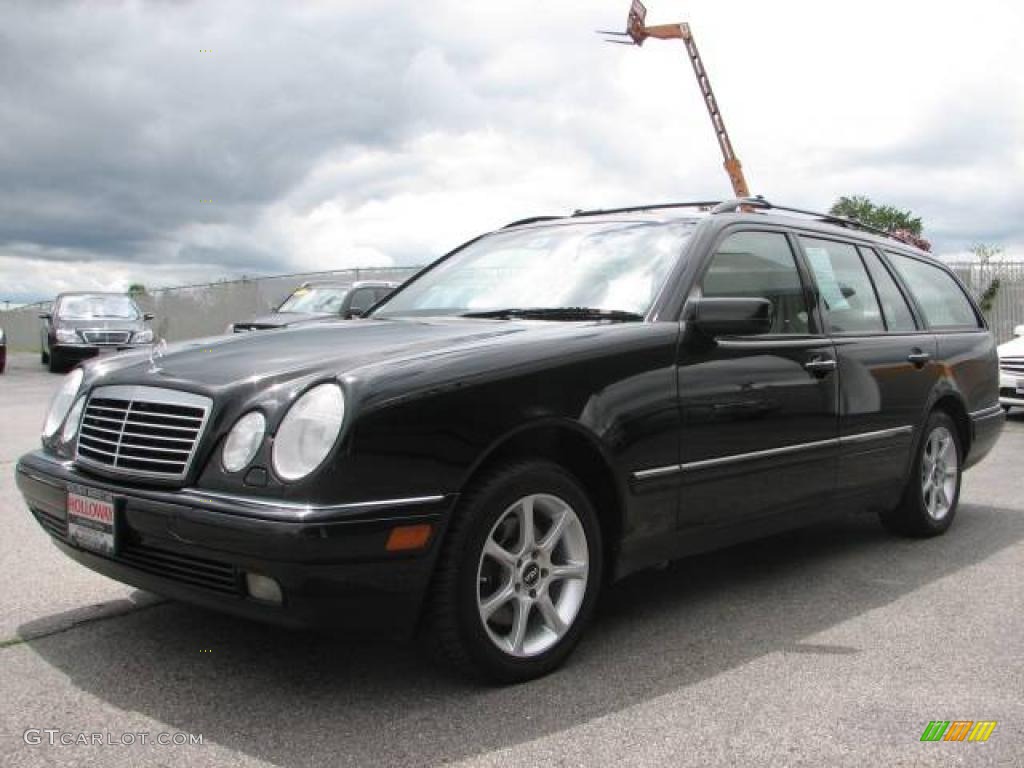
519,574
532,575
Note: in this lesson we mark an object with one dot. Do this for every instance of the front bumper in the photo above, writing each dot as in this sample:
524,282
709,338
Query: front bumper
84,351
331,563
1009,384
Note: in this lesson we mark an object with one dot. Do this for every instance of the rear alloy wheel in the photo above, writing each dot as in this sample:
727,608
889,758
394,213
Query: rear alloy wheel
933,490
519,574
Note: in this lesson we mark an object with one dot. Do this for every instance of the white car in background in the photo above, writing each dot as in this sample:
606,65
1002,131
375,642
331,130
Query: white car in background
1011,371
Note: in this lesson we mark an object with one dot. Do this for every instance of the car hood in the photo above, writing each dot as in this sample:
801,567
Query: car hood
334,348
1013,348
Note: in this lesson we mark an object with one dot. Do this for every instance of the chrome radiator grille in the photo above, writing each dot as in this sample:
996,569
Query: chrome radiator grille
145,431
1012,365
107,337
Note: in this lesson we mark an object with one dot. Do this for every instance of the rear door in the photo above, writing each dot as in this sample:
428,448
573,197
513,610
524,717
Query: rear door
887,367
760,412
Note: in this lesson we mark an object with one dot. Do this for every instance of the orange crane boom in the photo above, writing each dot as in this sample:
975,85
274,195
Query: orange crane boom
636,30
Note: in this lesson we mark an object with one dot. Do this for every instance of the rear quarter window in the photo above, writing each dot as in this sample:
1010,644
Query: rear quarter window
943,302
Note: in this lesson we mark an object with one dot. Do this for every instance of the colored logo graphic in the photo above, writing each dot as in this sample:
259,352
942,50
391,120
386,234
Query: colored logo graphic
958,730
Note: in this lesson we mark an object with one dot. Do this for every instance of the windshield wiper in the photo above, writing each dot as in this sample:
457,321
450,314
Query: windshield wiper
557,313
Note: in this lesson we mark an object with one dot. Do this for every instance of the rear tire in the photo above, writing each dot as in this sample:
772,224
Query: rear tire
932,493
518,576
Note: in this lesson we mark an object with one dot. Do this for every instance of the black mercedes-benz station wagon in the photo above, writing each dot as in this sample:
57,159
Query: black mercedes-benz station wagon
544,410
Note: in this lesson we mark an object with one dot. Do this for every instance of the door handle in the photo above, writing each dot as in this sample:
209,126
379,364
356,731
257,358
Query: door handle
820,366
918,358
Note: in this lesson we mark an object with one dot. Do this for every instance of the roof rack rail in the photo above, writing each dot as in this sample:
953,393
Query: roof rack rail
731,206
728,206
708,204
530,220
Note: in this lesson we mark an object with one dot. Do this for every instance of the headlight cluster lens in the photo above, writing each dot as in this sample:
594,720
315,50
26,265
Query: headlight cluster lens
308,431
72,421
61,403
243,441
144,336
67,335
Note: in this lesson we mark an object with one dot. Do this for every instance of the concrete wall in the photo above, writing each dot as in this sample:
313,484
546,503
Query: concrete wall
202,310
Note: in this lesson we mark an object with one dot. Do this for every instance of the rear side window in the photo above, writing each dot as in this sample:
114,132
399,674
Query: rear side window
898,316
942,301
759,265
844,285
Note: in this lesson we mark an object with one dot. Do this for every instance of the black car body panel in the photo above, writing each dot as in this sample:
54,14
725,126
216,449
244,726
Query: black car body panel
684,445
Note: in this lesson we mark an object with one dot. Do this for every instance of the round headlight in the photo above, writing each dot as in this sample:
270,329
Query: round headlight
62,401
72,421
243,441
308,431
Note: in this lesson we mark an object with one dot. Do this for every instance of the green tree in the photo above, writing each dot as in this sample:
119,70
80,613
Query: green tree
136,289
985,253
884,217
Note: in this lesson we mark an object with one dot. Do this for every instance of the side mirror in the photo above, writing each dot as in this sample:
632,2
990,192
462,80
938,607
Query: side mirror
45,316
147,316
1019,330
732,317
353,313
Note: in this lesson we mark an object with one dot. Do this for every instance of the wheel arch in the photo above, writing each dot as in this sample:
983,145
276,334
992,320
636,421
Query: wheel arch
952,404
579,451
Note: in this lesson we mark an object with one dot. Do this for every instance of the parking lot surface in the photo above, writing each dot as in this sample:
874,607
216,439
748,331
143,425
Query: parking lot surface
833,645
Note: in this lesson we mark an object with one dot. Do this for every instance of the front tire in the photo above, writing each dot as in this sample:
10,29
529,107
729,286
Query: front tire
932,494
519,574
56,362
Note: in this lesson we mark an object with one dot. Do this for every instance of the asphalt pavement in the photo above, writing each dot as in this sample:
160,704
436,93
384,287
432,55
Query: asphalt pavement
830,646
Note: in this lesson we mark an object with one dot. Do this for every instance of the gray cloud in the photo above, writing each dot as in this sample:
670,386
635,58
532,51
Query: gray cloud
388,131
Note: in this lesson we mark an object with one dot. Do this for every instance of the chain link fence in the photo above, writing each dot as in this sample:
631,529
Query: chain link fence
193,311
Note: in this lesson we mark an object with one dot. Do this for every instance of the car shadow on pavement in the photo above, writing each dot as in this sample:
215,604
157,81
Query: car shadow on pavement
308,699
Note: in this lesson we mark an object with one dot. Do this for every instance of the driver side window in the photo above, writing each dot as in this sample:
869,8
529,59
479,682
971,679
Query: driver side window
760,265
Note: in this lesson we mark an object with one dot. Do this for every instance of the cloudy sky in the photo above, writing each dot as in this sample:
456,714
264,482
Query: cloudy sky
170,142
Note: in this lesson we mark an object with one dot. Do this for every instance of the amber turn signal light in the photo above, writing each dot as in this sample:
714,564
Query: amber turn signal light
408,537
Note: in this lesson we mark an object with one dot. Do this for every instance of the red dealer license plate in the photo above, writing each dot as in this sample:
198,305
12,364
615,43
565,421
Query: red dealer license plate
91,519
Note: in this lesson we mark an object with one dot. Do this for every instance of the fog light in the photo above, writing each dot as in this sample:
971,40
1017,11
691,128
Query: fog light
263,588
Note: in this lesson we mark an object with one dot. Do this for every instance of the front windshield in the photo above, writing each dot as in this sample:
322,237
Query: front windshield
95,307
315,298
617,266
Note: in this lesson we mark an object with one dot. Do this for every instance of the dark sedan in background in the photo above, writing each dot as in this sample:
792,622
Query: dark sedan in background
3,350
84,325
313,301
